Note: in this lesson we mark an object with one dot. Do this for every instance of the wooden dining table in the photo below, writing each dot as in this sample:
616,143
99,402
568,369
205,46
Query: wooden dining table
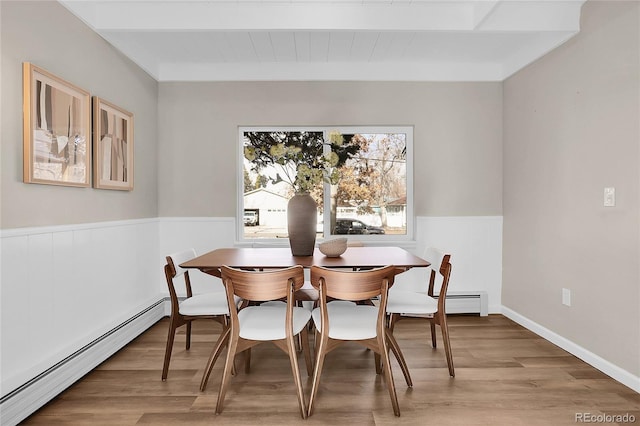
353,258
281,257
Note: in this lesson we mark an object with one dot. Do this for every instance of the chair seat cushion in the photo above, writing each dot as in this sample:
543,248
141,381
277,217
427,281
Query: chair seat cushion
348,321
410,302
205,304
267,322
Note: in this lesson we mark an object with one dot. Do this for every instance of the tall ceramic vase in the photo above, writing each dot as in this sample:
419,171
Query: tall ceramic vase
302,213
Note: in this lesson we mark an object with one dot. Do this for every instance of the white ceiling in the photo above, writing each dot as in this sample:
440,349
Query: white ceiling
392,40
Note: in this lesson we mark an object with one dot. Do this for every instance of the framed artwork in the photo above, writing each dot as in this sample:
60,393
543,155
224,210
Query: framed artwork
112,146
57,130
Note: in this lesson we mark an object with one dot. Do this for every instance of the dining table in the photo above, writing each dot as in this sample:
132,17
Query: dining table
261,258
280,257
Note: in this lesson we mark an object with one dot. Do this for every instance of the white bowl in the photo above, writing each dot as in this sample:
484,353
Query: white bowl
333,248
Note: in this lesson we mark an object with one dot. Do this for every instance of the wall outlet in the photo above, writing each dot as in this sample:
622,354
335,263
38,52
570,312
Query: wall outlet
566,297
610,197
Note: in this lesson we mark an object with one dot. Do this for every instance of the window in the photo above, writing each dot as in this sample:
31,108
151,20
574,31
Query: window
365,191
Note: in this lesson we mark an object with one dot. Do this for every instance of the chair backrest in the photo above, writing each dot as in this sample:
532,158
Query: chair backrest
434,257
352,285
172,270
176,259
440,271
260,286
419,280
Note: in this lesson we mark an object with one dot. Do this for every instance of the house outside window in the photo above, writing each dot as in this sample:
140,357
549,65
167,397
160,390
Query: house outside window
365,191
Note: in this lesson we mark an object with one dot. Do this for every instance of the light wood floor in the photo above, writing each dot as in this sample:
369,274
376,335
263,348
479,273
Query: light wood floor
505,375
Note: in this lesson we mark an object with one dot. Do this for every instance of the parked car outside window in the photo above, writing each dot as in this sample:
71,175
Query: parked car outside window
355,226
250,218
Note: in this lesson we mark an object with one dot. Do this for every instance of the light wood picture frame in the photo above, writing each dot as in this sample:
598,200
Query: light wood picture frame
56,130
112,146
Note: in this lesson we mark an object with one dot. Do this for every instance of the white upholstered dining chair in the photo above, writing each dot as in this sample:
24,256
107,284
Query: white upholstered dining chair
337,322
211,305
278,322
411,297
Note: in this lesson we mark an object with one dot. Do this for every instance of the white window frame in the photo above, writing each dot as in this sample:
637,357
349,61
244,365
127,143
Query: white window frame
385,239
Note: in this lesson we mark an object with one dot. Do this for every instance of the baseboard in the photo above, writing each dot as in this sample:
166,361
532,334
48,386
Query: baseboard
26,399
611,370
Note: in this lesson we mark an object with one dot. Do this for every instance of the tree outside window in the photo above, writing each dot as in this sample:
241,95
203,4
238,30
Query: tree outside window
359,174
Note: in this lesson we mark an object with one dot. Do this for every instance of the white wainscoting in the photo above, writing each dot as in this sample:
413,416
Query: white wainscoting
63,287
475,244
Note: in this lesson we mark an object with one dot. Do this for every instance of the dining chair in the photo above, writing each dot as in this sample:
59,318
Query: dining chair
337,323
417,298
211,305
278,323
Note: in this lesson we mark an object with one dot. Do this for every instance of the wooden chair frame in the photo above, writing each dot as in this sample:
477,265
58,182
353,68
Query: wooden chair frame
177,319
357,286
260,286
439,317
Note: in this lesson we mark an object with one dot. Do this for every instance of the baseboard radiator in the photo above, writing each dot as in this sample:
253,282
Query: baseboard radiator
464,302
28,398
468,302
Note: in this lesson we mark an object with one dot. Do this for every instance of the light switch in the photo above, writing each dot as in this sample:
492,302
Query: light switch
609,197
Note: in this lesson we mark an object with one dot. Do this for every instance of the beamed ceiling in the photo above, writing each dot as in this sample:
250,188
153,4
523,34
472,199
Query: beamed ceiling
392,40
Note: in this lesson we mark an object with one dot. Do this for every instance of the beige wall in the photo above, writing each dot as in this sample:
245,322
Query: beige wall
457,137
571,128
47,35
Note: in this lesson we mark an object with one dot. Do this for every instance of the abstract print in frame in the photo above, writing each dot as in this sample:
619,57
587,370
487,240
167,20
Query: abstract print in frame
57,128
112,146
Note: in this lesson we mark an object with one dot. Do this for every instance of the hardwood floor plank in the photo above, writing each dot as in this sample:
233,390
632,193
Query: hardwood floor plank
98,419
505,375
